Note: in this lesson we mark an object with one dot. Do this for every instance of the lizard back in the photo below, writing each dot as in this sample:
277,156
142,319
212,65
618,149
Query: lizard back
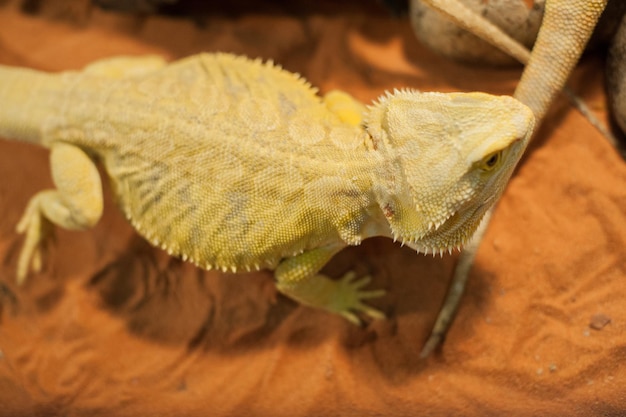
225,161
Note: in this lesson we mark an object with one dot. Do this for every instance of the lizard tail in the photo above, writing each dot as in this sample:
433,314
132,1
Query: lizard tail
23,107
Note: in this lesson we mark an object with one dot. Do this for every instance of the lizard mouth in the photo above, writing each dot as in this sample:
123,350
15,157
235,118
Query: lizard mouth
452,234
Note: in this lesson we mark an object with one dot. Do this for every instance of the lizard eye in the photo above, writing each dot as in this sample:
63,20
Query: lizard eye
491,161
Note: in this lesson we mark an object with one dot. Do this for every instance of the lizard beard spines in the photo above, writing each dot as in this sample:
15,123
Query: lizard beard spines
434,251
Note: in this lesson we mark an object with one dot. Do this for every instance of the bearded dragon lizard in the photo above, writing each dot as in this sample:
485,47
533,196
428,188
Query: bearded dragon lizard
237,164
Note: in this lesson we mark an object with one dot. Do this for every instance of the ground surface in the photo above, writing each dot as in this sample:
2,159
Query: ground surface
115,327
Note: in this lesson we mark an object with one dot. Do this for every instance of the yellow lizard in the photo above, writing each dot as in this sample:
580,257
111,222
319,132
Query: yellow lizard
237,164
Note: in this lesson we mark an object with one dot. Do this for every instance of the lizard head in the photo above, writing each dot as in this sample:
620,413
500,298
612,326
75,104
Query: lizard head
447,159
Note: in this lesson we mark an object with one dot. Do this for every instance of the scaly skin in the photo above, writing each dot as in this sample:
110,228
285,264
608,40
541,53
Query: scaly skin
236,164
489,23
565,30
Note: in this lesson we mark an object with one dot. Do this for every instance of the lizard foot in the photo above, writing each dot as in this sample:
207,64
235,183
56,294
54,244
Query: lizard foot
75,204
297,278
36,229
349,295
344,296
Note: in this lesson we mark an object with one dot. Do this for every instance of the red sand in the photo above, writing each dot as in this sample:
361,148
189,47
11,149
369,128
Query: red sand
116,327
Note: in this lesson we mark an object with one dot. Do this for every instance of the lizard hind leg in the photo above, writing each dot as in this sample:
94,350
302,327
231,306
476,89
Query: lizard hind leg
298,278
75,204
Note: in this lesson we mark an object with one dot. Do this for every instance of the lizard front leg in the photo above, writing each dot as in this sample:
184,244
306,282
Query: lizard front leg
347,108
75,204
298,278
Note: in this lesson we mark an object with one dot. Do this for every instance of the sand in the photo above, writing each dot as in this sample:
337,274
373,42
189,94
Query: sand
114,327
